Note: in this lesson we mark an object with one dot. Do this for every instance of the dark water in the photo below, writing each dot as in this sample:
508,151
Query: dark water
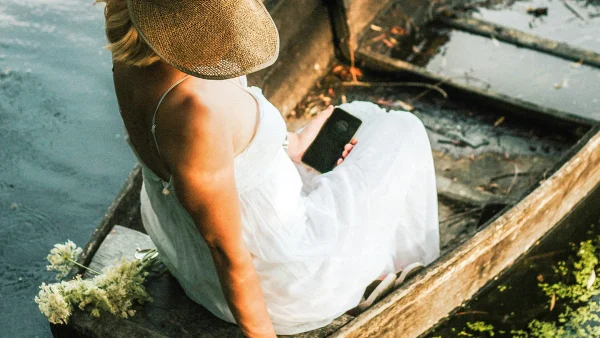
512,301
62,153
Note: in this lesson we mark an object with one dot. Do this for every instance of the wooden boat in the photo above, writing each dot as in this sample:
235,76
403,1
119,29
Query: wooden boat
497,199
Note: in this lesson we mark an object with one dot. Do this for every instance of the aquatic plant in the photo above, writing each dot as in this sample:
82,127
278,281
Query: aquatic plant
583,271
577,288
481,327
115,290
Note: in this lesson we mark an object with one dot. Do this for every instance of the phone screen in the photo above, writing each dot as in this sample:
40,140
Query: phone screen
327,148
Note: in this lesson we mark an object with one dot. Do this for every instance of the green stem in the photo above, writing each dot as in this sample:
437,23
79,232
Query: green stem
83,266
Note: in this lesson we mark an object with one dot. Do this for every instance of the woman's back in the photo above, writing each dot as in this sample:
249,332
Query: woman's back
140,90
269,188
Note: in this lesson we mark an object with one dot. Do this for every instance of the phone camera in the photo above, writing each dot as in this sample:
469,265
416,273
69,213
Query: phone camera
341,127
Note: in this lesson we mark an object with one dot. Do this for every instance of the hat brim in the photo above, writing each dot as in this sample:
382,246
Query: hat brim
218,39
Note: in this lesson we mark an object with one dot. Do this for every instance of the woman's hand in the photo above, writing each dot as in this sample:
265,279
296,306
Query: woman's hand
299,142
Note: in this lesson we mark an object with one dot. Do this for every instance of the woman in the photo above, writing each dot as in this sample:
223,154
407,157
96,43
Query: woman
248,231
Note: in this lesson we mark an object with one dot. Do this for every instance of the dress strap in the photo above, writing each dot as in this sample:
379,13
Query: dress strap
240,82
153,129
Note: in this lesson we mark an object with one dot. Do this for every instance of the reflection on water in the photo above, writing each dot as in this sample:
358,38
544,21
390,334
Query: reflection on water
519,72
62,155
560,24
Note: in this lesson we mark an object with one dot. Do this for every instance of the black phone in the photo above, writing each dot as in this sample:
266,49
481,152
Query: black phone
324,152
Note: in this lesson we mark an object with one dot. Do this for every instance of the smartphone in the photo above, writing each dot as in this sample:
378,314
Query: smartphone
323,154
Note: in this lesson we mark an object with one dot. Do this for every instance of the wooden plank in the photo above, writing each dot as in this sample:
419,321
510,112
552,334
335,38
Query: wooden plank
170,314
456,277
522,39
120,242
509,105
349,19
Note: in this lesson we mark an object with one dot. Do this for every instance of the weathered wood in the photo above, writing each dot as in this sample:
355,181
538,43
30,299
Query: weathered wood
303,60
170,314
456,277
349,19
509,105
462,193
522,39
120,242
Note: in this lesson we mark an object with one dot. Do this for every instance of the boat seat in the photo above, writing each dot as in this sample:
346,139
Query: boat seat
170,314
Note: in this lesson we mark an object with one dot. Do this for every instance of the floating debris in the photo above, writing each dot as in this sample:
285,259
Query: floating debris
499,121
376,28
591,280
396,104
397,30
460,142
537,11
573,10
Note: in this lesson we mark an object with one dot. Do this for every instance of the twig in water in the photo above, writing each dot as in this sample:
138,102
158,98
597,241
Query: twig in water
460,142
522,173
544,255
462,214
396,104
397,84
430,88
514,180
469,77
573,10
471,313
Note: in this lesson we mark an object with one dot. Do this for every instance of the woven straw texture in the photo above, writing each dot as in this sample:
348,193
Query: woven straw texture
211,39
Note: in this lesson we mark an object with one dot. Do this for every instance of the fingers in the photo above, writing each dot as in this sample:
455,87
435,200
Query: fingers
347,149
326,113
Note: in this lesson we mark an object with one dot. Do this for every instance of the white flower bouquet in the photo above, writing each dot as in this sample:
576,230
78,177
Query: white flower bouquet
114,290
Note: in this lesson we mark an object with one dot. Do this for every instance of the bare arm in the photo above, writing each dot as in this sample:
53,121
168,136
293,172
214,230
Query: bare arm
204,181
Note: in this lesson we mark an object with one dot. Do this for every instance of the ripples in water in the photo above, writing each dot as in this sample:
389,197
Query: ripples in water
62,154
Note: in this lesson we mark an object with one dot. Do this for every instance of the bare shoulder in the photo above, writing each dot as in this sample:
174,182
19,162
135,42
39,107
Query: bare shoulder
191,131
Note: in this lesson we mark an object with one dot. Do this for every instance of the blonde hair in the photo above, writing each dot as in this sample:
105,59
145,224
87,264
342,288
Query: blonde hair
124,41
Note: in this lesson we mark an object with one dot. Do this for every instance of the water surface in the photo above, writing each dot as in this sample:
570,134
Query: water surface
62,153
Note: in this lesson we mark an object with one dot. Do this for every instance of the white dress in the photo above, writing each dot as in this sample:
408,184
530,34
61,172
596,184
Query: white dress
316,240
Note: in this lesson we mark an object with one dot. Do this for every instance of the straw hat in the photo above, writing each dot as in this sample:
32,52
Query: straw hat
211,39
